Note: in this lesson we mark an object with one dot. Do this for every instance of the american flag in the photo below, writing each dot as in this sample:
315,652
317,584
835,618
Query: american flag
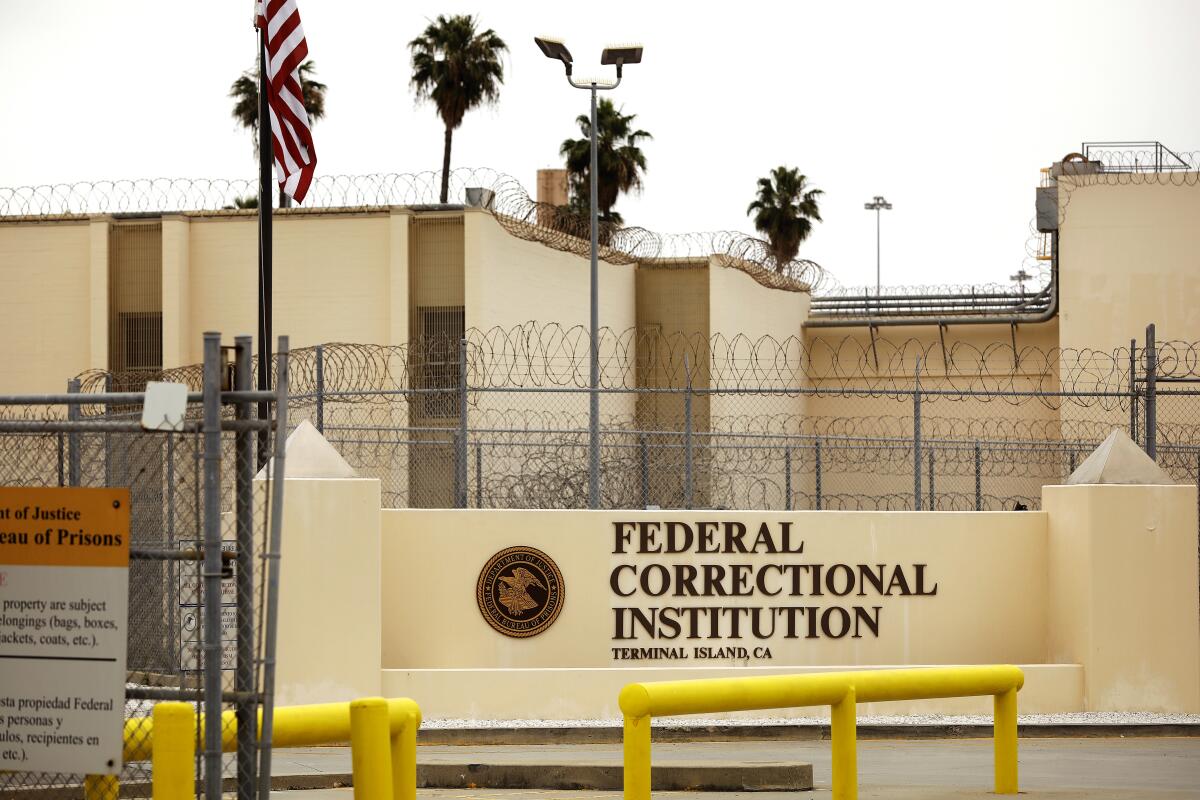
291,134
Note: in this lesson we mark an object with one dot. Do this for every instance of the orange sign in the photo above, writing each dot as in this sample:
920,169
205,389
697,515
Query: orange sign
64,527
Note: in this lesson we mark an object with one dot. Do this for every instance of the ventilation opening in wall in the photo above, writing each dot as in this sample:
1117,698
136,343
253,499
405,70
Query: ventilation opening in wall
134,301
440,331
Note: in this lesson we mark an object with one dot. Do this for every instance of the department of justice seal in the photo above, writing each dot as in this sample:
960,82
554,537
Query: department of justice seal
520,591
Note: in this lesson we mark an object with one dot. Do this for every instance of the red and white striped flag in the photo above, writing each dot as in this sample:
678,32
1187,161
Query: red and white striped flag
291,133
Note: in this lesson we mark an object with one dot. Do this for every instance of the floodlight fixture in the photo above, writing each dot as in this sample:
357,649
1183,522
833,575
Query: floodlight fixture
620,55
554,48
878,204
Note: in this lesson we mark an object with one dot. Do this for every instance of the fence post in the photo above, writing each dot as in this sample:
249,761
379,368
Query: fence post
244,677
917,436
272,543
107,437
1070,462
370,749
321,389
843,732
1151,398
74,412
172,566
688,486
932,491
787,477
644,468
62,466
212,566
978,478
479,475
460,442
817,454
1133,391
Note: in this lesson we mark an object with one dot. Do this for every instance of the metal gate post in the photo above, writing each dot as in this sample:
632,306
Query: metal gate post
1151,398
107,437
212,566
244,679
271,559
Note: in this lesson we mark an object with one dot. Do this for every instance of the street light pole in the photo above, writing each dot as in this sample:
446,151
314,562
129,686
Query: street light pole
619,57
594,327
878,205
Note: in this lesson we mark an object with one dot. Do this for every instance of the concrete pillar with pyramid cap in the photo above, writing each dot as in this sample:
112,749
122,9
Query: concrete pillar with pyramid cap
1123,581
329,583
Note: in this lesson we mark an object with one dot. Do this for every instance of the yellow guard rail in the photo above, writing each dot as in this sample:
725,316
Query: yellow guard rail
382,735
839,690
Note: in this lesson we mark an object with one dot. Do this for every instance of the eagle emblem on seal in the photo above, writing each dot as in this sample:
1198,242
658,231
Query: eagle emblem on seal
514,594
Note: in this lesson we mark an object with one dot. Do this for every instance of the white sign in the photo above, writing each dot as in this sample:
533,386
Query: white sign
191,615
64,589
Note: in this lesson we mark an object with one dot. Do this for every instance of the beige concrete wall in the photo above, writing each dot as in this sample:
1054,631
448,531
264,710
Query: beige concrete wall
748,317
844,357
510,281
1123,588
977,561
1129,255
329,592
46,305
312,254
176,289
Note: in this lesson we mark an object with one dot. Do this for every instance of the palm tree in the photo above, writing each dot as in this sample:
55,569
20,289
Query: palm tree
619,160
244,92
458,68
784,212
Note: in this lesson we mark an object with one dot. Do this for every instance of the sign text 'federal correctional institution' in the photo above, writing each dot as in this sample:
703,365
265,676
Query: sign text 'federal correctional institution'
725,590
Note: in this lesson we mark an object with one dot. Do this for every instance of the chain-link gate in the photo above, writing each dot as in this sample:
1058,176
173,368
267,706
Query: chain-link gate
203,573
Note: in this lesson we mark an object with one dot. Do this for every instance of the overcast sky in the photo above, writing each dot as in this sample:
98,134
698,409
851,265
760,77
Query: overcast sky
946,108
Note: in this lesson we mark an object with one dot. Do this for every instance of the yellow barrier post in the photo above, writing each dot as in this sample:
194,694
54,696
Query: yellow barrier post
370,750
1004,732
637,758
843,730
101,787
173,752
404,748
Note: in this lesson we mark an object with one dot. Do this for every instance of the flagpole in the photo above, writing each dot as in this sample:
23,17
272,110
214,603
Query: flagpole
265,158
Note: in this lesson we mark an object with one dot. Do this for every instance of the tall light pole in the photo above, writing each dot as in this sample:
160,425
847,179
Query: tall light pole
619,57
878,205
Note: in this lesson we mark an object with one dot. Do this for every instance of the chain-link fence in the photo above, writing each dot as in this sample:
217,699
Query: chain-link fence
721,424
202,536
